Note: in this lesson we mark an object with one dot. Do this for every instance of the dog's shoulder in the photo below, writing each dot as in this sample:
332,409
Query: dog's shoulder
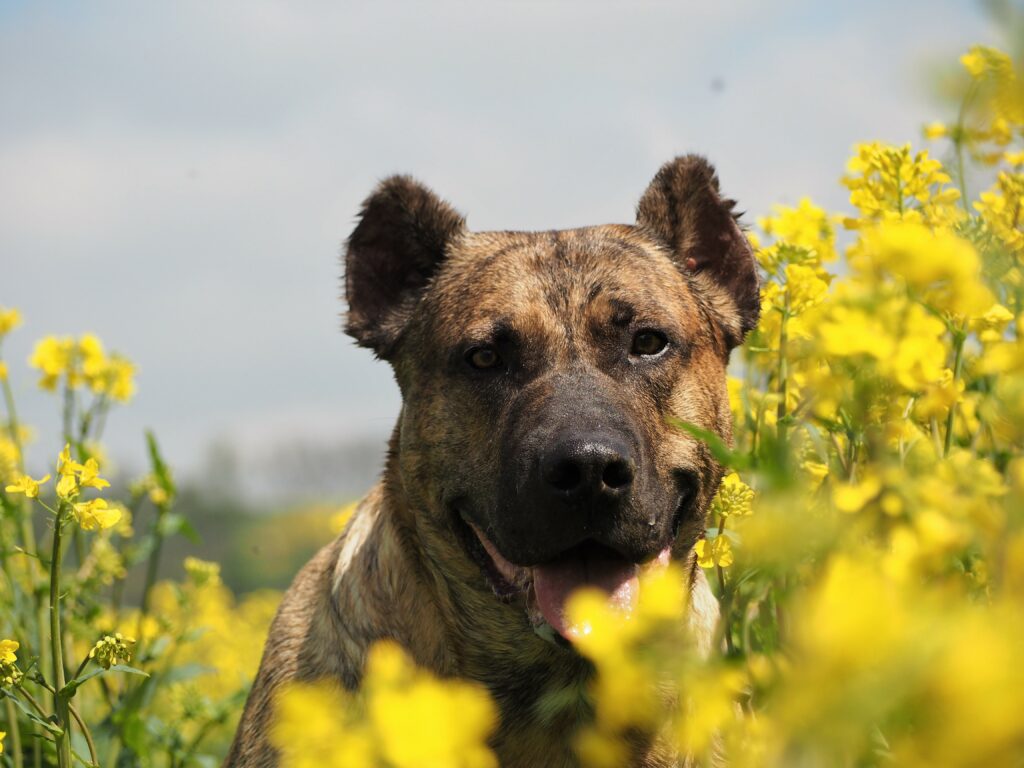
309,638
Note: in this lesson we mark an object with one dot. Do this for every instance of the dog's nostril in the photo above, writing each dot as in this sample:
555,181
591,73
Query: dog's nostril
565,475
618,474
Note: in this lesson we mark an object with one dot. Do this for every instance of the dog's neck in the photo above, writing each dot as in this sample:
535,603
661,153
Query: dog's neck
385,586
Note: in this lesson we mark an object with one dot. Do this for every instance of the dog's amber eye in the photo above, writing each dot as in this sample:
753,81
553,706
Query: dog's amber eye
483,358
649,343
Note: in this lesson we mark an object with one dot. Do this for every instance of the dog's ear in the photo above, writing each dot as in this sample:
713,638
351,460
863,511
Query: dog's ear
683,208
396,248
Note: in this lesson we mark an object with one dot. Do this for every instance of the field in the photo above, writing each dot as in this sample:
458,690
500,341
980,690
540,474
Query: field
867,545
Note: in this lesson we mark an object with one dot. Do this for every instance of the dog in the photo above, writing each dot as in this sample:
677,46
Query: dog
535,450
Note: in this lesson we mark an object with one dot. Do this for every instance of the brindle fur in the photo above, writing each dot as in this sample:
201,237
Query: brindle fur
420,287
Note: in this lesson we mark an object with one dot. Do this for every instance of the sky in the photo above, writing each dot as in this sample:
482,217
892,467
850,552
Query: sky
178,178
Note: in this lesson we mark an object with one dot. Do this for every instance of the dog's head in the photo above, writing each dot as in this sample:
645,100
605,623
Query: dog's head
542,373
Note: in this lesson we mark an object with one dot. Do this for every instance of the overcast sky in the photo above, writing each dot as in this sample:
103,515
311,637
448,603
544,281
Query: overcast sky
178,177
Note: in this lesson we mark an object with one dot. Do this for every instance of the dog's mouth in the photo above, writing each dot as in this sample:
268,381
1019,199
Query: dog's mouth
547,587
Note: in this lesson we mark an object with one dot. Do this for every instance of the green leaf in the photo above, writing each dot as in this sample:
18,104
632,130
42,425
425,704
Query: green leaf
31,715
160,469
173,523
722,453
69,690
185,672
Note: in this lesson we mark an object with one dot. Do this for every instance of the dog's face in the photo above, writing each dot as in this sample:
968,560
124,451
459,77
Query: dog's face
542,375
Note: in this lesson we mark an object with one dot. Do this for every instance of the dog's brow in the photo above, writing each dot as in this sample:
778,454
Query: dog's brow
622,312
499,329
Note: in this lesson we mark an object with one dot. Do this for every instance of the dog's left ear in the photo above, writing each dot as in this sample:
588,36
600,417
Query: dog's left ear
400,241
683,208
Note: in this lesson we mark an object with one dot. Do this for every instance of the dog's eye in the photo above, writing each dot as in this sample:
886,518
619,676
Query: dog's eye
649,343
483,358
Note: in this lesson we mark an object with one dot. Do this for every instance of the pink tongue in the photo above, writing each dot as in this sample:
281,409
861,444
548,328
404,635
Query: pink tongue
554,582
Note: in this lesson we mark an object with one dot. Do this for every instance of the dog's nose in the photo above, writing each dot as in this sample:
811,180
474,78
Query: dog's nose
588,468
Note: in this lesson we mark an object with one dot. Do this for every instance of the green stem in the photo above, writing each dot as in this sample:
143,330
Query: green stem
60,703
959,336
12,719
37,753
152,567
81,667
726,598
204,731
782,384
12,421
28,536
86,733
958,146
68,414
32,700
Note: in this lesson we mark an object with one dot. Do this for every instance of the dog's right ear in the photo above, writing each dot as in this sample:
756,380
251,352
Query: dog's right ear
400,241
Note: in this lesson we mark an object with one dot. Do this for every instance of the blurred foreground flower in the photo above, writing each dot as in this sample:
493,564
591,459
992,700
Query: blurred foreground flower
405,718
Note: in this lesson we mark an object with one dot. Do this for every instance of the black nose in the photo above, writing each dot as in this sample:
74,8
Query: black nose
588,468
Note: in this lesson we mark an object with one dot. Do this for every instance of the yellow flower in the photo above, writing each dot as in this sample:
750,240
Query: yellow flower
602,630
852,497
67,487
433,722
8,649
714,552
806,287
112,649
889,183
9,458
990,326
83,361
52,356
944,269
935,130
9,320
88,475
27,485
974,62
983,59
96,515
808,231
202,572
92,357
315,727
411,718
65,464
849,331
1000,209
816,472
734,497
3,371
10,675
108,562
117,379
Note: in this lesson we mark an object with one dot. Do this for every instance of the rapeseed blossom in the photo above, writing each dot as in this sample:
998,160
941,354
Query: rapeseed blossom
408,719
9,320
10,675
112,649
96,514
83,362
26,485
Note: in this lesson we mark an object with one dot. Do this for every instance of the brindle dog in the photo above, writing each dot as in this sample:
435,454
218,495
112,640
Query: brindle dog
534,453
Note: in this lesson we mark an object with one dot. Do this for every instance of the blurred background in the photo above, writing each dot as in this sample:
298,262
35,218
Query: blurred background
178,179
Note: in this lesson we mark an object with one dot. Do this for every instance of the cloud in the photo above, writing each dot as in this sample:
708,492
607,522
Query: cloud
179,177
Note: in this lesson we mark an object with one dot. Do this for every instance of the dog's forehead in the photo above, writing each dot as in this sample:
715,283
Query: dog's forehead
577,273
